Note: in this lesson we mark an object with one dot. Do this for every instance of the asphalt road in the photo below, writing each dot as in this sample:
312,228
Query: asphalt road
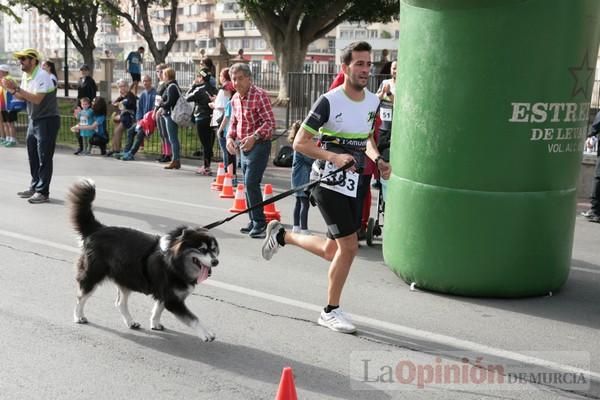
264,313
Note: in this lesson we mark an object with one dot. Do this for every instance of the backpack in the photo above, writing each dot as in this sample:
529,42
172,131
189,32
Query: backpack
181,114
284,157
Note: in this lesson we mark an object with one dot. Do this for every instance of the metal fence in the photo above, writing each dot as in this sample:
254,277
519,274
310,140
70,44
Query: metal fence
305,89
265,74
188,138
185,72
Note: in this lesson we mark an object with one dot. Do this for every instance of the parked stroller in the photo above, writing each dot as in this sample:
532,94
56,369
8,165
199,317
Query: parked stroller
375,225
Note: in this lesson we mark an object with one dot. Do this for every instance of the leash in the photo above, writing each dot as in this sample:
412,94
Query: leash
285,194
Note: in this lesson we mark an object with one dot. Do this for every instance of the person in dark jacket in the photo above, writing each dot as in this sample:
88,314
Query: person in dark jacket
169,99
165,152
124,118
200,93
86,88
135,134
593,214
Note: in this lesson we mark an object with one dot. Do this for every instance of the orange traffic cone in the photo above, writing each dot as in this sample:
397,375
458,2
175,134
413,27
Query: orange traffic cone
218,183
227,191
239,203
271,212
287,388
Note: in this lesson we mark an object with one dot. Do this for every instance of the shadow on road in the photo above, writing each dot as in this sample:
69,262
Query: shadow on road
249,362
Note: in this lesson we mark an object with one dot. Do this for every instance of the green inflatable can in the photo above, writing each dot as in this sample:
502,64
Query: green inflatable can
490,118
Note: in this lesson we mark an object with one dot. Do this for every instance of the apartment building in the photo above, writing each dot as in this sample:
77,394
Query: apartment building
3,21
381,37
35,31
198,24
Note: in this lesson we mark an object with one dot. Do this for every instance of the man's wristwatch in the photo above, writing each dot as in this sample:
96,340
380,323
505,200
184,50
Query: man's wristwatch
256,136
377,160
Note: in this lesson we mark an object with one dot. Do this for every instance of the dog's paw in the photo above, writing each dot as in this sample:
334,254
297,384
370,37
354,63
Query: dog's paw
134,325
157,327
81,320
207,336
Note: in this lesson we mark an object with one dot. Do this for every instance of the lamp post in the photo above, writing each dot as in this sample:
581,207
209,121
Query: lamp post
66,66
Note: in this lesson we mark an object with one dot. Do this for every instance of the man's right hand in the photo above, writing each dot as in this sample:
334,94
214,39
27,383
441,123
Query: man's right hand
230,145
339,160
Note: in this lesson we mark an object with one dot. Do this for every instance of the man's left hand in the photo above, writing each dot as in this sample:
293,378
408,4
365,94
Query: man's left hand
385,169
247,143
8,84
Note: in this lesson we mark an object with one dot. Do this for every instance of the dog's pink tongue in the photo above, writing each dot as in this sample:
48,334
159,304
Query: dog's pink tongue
203,275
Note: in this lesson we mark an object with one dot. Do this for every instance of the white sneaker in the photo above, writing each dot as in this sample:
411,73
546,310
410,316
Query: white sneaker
305,232
295,229
271,245
337,320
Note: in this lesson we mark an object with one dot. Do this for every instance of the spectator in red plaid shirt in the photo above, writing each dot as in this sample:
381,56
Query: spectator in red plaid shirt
252,124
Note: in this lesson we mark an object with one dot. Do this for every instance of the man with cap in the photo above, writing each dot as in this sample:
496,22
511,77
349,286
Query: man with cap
38,89
86,88
8,137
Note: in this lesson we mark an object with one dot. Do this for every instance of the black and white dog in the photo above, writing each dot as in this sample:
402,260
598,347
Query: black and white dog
167,267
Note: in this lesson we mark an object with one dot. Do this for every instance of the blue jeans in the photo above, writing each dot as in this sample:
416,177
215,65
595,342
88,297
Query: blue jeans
172,131
227,158
135,138
41,142
254,164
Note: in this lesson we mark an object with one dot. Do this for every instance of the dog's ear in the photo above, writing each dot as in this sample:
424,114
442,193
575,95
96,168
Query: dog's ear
183,234
178,233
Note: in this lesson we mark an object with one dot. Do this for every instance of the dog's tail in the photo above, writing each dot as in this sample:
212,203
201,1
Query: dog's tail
81,196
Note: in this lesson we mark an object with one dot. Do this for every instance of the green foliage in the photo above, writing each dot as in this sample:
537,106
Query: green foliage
354,11
6,10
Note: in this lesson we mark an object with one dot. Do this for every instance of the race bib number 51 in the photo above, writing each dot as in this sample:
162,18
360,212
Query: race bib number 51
347,181
385,114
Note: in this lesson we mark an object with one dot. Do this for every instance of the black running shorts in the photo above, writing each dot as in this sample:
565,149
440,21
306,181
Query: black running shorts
340,212
9,116
135,77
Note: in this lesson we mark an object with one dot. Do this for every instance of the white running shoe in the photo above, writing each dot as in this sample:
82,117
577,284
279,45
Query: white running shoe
337,320
271,245
295,229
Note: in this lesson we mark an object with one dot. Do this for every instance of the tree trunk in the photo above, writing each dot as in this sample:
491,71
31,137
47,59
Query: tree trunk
290,58
88,55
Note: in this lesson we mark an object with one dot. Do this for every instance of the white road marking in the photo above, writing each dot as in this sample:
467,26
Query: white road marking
400,329
180,203
141,196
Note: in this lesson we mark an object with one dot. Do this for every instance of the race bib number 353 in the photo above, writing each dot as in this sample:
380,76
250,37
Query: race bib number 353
347,181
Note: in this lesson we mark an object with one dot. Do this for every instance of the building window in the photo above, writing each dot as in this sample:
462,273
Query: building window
260,44
397,35
345,34
231,7
373,34
360,34
233,45
233,25
179,27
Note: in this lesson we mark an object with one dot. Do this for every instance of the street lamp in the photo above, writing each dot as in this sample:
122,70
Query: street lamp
65,5
66,68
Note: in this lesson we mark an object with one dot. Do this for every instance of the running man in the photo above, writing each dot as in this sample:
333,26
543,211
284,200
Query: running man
343,119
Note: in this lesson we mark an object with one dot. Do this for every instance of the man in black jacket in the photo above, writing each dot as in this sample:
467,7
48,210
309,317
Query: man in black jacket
593,214
86,88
